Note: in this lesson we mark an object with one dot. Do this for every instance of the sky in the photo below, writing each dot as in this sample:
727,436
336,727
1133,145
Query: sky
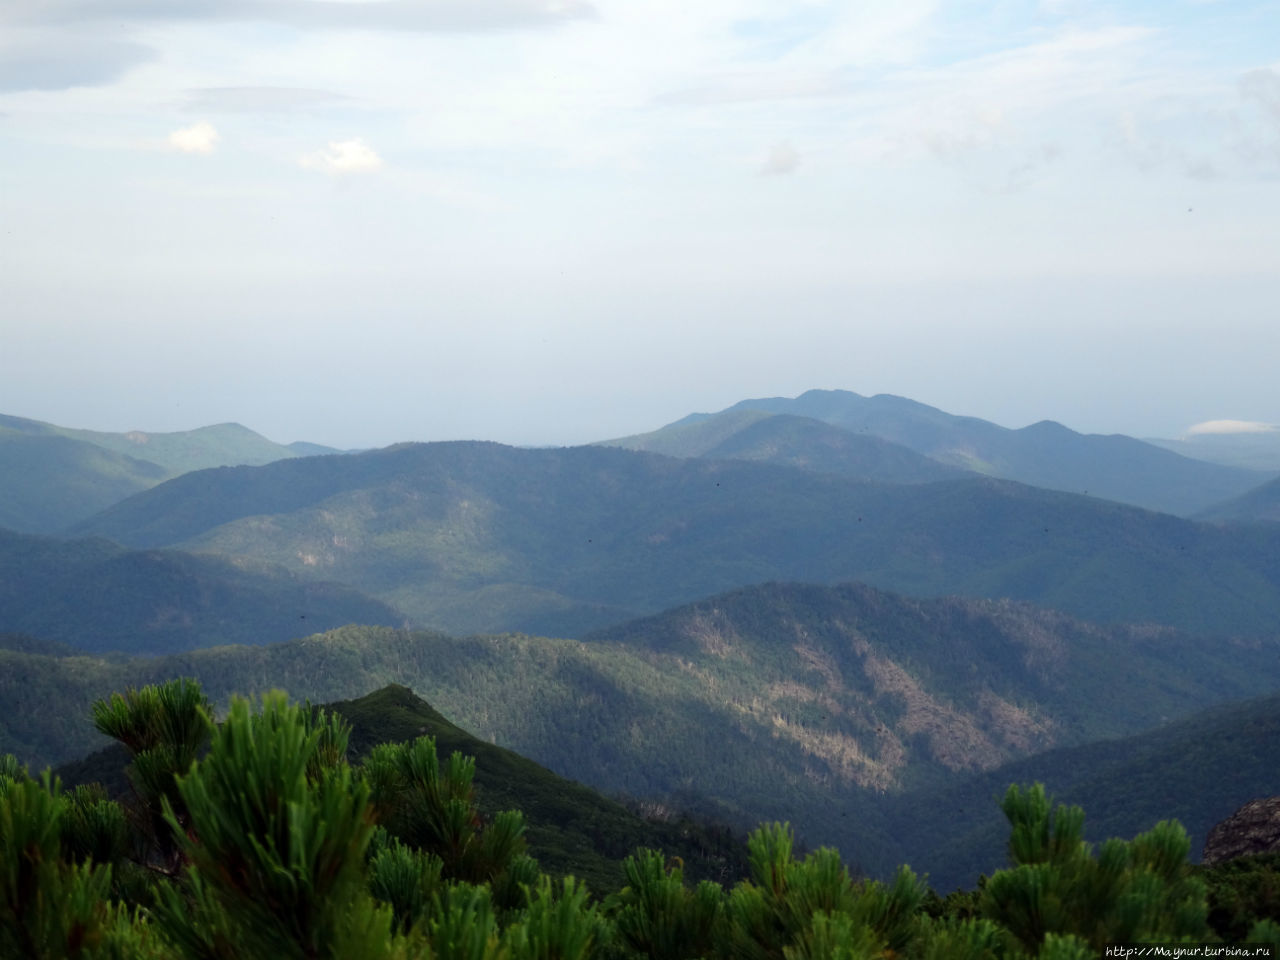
557,221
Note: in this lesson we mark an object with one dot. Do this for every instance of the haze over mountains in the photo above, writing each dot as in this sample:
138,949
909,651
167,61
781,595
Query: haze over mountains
1045,454
815,609
51,476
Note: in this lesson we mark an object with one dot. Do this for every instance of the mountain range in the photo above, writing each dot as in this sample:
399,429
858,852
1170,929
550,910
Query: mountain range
478,537
858,614
52,477
1045,454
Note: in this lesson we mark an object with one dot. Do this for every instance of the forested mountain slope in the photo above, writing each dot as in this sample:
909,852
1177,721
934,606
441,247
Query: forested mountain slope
571,828
481,537
782,702
96,596
1198,769
50,482
1259,504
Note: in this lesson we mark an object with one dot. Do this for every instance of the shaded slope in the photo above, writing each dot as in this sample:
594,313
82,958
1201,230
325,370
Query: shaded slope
482,537
1261,503
95,596
1045,454
790,441
1198,770
223,444
50,482
571,828
52,477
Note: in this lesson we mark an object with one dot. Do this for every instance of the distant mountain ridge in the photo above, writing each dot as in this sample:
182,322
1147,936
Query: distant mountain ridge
96,596
478,537
1259,504
52,476
1045,454
789,440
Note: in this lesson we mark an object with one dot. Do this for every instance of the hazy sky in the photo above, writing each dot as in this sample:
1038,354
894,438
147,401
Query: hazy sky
553,221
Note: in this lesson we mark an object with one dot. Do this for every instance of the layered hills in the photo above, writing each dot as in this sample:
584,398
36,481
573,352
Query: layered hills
95,596
793,441
1045,454
52,476
816,705
479,537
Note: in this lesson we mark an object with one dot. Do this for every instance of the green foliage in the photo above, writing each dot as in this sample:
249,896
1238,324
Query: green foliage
164,728
431,807
797,909
405,879
275,858
93,826
280,857
558,923
50,907
657,916
1241,892
1130,891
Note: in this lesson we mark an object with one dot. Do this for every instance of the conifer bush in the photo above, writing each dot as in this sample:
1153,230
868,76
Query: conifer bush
1129,891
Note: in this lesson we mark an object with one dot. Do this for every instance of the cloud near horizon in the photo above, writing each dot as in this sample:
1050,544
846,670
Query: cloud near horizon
1214,427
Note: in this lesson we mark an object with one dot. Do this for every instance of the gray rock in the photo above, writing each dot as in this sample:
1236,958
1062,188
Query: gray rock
1254,828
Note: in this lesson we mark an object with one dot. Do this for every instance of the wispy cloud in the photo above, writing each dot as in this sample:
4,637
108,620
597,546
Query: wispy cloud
782,160
414,15
199,138
343,157
39,60
1211,427
258,99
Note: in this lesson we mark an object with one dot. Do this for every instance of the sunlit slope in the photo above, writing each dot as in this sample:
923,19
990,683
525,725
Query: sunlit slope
97,596
1045,454
482,537
221,444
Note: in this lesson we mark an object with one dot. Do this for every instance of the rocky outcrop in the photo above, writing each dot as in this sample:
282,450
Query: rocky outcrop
1254,828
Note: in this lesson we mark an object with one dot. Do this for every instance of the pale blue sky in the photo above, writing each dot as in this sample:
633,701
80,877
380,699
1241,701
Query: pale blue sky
552,221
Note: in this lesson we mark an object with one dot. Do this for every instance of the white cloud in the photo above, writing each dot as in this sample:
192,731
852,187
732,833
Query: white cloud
782,160
1230,426
200,138
343,156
